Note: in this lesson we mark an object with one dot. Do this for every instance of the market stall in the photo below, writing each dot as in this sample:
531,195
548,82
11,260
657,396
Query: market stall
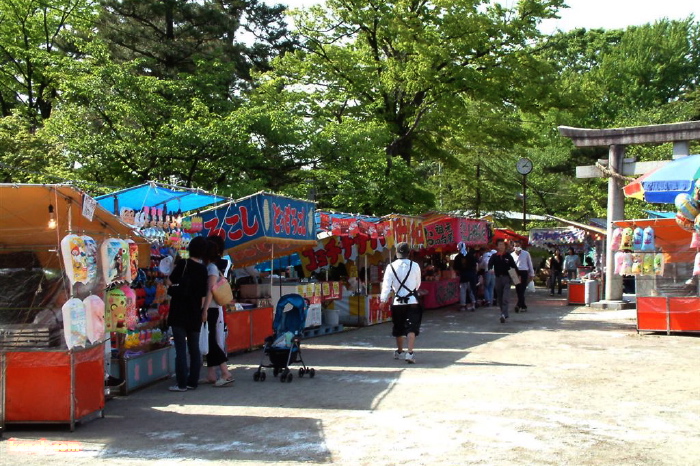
259,228
166,217
54,269
588,243
348,257
442,235
666,274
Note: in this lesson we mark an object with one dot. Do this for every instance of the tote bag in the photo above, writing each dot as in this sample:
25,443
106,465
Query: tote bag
221,291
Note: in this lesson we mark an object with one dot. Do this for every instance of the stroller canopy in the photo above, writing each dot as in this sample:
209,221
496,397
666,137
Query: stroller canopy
294,318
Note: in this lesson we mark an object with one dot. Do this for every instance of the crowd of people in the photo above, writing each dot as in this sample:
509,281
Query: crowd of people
485,279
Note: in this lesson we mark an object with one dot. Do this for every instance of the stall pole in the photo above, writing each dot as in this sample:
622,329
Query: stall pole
72,390
3,377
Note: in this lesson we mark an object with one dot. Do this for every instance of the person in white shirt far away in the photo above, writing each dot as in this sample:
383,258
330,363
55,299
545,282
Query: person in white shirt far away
526,272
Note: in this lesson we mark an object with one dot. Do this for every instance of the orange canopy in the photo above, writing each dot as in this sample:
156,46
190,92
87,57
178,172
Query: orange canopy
24,218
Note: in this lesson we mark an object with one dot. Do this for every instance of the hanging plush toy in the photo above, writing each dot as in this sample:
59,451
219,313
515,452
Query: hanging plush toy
659,263
627,240
648,264
132,318
648,240
616,239
637,239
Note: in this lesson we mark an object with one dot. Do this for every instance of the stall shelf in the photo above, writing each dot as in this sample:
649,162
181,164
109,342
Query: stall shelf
71,388
143,369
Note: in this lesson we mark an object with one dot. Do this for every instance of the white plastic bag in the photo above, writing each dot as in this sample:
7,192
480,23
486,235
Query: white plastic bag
204,339
530,286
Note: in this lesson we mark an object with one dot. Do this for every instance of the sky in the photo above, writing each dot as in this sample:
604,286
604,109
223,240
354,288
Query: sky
589,14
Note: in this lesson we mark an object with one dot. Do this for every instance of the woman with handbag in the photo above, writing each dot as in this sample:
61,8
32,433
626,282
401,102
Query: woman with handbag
187,292
217,357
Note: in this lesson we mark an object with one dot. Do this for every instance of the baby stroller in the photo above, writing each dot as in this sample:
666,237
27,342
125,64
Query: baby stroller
284,346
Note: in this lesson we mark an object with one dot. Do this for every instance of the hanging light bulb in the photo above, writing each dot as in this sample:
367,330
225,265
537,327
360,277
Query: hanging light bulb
52,218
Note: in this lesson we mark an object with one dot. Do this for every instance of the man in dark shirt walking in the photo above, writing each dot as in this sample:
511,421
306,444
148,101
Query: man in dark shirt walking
500,263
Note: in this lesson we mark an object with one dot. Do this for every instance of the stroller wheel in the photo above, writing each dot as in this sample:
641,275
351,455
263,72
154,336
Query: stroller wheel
289,377
301,372
312,372
256,376
262,376
283,377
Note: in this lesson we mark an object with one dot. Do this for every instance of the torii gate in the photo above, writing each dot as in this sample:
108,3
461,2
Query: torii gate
617,139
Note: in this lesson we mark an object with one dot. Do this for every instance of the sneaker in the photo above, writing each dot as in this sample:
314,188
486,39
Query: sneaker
190,387
503,319
175,388
398,355
524,309
462,308
410,358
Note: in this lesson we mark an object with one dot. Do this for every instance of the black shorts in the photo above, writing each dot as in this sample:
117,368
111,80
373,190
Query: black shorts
406,319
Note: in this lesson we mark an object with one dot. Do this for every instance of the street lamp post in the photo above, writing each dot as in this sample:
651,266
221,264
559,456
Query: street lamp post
524,166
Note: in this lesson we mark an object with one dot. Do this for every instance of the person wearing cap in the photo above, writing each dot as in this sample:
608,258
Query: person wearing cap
403,277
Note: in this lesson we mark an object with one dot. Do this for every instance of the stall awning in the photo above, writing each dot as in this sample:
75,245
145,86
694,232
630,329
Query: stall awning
24,216
582,226
262,226
152,194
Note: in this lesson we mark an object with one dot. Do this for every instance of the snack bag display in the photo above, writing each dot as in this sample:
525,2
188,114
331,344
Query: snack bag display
75,259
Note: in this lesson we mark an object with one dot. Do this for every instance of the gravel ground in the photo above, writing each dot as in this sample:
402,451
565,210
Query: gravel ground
556,385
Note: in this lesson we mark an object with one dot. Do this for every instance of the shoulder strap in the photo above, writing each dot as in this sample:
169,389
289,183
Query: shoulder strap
402,284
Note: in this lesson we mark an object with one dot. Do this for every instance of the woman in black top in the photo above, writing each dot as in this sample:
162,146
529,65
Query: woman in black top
187,292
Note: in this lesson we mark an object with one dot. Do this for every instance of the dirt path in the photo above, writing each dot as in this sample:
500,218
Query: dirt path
557,385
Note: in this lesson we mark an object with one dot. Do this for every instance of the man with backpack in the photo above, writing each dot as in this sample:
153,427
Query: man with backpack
403,277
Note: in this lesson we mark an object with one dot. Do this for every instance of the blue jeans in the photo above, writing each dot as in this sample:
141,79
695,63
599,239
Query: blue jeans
489,283
186,341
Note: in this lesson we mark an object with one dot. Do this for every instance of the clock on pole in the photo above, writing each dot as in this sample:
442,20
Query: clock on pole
524,166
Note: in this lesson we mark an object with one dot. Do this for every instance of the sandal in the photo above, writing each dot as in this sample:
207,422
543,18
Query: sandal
206,381
223,382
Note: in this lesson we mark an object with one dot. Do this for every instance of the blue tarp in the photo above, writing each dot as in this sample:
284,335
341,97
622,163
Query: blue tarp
659,214
152,194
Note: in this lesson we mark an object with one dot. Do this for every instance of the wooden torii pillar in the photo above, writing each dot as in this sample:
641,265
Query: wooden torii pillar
617,166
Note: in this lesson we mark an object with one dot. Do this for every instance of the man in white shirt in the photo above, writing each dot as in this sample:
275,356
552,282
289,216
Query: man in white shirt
526,272
403,277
